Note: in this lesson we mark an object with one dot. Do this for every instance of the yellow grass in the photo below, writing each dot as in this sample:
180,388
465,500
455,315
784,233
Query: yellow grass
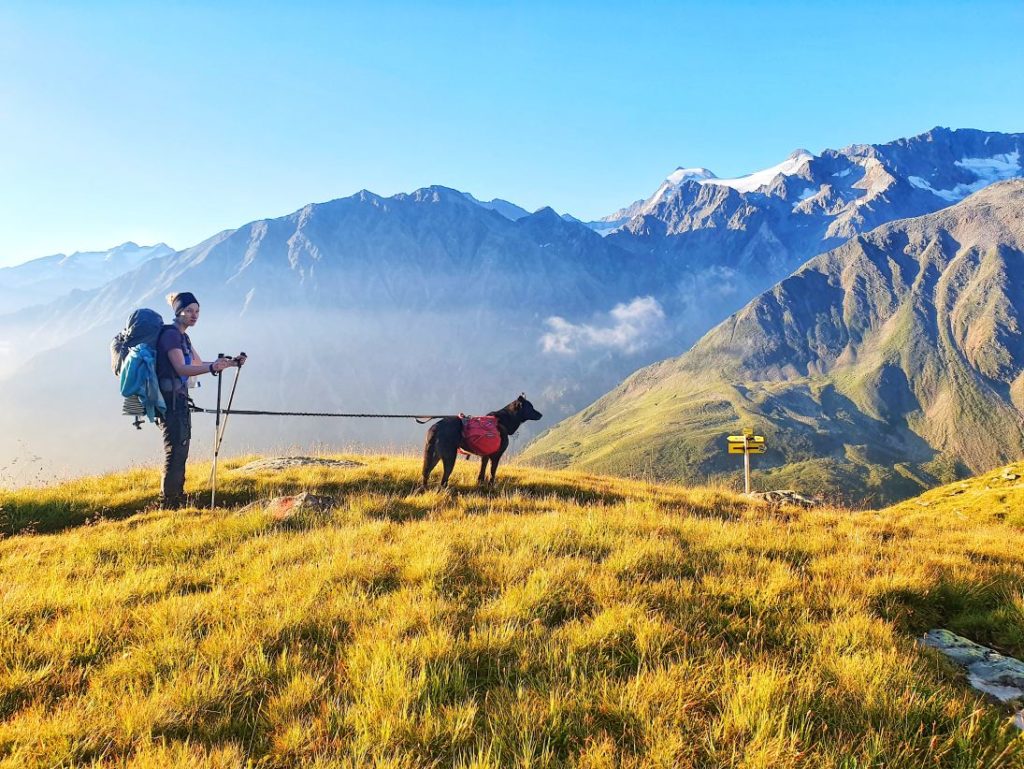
562,619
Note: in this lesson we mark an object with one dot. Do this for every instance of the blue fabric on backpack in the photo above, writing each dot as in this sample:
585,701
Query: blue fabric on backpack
138,377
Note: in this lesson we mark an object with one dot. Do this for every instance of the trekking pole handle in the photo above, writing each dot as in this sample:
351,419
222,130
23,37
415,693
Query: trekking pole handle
238,359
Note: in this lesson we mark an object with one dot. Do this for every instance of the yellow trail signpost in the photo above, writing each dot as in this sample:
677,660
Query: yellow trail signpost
746,444
748,450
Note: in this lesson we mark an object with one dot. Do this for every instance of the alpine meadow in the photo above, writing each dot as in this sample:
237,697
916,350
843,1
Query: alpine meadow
562,619
511,386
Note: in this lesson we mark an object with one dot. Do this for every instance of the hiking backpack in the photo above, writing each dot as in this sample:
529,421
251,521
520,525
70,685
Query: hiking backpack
143,327
133,360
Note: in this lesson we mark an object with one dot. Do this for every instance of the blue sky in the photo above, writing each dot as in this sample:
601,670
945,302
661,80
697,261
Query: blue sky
172,121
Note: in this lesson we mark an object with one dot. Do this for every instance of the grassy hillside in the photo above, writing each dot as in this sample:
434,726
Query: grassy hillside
562,619
883,367
667,424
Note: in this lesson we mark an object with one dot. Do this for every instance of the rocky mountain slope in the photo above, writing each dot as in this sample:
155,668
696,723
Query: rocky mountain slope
756,229
880,367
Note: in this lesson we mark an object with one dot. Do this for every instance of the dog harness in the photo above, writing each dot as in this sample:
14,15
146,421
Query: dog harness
480,435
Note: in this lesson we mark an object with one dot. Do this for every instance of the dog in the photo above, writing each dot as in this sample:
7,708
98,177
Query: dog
444,439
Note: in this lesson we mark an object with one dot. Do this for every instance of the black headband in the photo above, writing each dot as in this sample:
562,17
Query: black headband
181,301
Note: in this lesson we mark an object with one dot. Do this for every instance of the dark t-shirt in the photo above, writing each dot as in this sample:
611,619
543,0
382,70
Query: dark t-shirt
170,339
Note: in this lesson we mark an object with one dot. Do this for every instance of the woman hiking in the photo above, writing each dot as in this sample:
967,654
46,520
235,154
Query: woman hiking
176,361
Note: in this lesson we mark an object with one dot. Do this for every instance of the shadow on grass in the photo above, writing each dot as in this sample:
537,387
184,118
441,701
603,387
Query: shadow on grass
43,515
567,492
50,513
983,611
52,516
568,728
722,508
229,715
531,489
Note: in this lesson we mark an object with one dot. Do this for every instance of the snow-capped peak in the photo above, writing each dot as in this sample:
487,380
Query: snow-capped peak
751,182
747,183
681,175
674,180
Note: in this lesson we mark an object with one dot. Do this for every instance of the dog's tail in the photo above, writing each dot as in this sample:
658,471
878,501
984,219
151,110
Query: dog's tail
430,458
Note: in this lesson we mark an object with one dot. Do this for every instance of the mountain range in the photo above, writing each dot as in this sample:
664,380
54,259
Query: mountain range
881,367
434,300
418,303
750,232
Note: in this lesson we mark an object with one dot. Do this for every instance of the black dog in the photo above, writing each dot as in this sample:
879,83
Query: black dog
445,438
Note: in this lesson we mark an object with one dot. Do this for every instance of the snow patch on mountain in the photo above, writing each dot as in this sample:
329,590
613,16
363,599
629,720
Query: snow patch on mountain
807,194
988,170
952,195
994,169
751,182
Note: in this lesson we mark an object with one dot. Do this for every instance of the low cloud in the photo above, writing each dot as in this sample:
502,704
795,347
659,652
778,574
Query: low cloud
630,328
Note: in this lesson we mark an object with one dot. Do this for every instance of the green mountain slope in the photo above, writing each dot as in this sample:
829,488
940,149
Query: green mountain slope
886,365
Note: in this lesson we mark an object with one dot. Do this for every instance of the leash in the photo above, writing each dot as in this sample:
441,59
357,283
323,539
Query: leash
420,418
219,427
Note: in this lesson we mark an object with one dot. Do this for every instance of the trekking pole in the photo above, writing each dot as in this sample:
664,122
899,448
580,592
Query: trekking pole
216,438
231,399
219,436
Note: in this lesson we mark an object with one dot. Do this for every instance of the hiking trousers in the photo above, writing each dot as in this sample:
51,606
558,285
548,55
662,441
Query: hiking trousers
177,430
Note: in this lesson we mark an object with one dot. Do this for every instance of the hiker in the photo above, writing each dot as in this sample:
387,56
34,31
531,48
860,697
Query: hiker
176,361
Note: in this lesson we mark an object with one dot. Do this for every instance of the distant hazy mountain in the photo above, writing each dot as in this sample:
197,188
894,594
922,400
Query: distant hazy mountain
503,207
883,366
43,280
407,304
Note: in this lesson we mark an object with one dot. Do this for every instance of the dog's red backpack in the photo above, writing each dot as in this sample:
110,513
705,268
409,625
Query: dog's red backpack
480,435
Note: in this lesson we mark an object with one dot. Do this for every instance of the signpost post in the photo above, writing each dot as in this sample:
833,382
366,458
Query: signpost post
746,444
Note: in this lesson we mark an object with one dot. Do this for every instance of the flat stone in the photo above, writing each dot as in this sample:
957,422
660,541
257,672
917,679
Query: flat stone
786,497
961,650
287,463
987,670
